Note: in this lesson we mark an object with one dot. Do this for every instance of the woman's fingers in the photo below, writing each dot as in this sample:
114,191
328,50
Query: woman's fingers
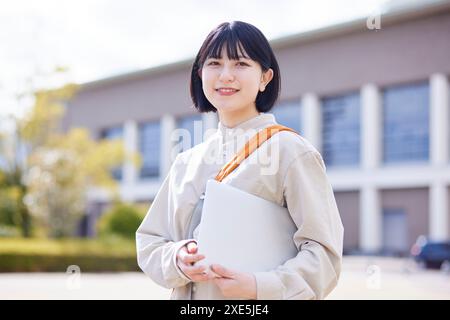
187,257
222,271
201,277
193,258
193,270
196,273
191,247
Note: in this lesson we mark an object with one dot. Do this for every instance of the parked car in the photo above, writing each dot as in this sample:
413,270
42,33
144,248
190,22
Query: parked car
431,254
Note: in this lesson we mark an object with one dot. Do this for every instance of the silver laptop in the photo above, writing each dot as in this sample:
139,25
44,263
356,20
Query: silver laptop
242,231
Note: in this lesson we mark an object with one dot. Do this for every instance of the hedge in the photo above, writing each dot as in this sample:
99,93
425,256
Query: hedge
44,255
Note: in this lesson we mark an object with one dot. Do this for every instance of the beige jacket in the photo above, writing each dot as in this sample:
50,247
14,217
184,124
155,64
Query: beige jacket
286,170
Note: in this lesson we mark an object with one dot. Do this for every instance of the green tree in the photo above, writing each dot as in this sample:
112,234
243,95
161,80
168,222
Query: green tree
13,211
61,173
57,169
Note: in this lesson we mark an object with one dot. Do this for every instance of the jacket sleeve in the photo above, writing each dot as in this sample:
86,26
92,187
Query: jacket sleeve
156,251
314,272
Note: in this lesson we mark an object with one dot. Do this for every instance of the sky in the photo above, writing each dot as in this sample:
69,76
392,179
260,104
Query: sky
95,39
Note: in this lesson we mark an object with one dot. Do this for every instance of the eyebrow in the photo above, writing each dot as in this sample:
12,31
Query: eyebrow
239,57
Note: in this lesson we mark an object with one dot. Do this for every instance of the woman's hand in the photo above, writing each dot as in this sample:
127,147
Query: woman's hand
186,258
234,284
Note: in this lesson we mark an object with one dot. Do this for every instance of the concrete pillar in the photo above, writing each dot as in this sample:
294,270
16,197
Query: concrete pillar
371,127
439,118
439,154
438,219
370,230
312,120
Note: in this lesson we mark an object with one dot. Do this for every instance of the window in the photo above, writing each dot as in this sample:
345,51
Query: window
150,148
112,134
192,131
341,130
288,114
405,118
395,231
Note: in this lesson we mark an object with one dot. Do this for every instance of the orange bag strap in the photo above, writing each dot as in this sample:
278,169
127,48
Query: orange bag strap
250,146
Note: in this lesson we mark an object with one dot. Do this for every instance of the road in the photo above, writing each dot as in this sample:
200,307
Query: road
361,278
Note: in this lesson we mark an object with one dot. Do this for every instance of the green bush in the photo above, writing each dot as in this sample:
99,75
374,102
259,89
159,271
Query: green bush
122,220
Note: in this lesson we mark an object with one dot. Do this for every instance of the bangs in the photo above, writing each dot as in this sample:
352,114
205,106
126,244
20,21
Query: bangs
237,43
232,45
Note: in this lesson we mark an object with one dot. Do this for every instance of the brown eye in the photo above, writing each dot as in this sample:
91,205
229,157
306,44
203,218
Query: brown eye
213,63
243,64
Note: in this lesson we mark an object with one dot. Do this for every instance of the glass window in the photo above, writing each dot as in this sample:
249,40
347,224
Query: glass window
150,148
112,134
405,119
288,114
192,133
341,130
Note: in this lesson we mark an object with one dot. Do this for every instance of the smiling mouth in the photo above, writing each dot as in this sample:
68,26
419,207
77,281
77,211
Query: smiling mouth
226,91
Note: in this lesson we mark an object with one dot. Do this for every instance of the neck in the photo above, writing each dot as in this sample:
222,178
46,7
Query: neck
231,119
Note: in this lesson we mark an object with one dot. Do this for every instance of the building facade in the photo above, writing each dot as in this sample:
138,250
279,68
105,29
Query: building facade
375,103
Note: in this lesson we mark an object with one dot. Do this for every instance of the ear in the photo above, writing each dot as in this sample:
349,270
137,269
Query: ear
265,79
199,73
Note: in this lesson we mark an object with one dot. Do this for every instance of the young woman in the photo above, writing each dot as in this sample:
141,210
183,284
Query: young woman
236,75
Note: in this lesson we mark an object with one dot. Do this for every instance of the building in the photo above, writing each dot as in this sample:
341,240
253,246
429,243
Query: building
374,102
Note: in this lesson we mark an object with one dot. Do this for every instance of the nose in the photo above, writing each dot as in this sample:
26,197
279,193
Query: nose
226,75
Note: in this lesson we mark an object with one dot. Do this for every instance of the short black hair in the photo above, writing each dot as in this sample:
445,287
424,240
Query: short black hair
236,35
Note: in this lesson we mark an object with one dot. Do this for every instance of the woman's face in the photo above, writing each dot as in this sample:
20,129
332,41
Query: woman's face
232,85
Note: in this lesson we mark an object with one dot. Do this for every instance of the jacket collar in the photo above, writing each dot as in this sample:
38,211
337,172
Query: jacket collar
249,126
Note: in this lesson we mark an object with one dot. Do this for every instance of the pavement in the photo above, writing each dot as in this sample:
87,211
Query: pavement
361,278
373,278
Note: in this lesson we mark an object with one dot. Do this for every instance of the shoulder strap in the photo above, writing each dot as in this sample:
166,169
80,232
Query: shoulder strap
249,147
